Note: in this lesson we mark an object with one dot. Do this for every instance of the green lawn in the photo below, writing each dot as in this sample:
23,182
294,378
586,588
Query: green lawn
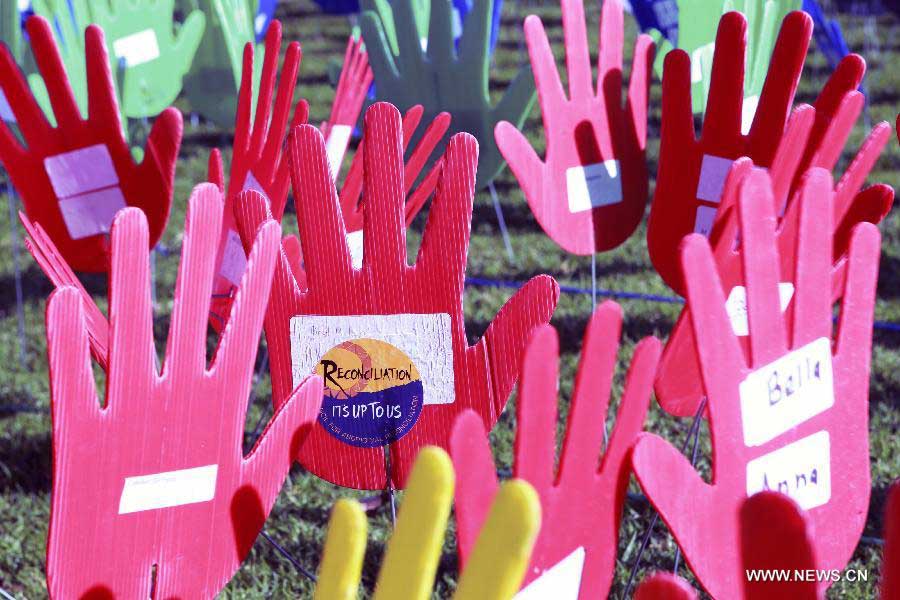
299,518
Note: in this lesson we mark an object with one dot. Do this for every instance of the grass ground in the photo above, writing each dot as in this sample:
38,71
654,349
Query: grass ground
299,518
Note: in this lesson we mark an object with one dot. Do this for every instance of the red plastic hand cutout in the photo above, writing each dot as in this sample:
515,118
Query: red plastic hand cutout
581,506
793,415
678,386
353,85
386,286
692,171
155,480
590,192
665,586
74,177
258,162
890,560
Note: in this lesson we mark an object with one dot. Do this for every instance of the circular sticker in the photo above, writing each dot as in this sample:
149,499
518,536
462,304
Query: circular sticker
373,393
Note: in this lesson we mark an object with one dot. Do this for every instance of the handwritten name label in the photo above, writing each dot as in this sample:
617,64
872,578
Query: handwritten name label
787,392
595,185
137,48
736,306
801,470
172,488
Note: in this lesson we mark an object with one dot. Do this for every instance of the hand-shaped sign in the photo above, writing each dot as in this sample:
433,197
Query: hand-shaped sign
664,586
154,481
590,193
140,33
216,71
408,569
444,80
793,415
353,85
390,336
258,162
581,506
678,384
890,559
697,21
691,171
74,177
11,29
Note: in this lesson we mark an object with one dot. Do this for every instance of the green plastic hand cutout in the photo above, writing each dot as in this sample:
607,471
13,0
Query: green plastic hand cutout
442,79
698,21
156,56
421,13
215,76
10,29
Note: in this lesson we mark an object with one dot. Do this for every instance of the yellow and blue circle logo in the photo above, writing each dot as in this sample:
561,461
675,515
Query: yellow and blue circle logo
373,393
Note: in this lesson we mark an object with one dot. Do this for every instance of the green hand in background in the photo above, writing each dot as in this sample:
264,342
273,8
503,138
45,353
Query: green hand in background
421,14
10,29
215,76
441,79
698,21
156,56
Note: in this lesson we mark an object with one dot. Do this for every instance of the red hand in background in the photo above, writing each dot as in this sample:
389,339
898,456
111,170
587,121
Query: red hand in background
581,505
96,174
353,85
678,386
152,488
483,374
257,162
755,440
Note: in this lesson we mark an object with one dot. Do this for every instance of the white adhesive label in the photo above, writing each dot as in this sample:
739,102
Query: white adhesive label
562,581
701,60
83,170
6,113
137,48
456,23
801,470
164,490
425,338
748,111
713,171
251,183
91,213
703,221
336,147
258,23
355,245
736,306
589,186
787,392
234,260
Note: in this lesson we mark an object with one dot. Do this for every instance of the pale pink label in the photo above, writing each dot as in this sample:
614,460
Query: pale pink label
251,183
79,171
703,222
234,260
713,172
91,213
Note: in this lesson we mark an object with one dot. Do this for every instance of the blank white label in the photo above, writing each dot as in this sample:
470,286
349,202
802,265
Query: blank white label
234,260
6,112
801,470
172,488
703,221
137,48
589,186
91,213
713,171
83,170
748,111
251,183
355,245
787,392
456,23
425,338
701,60
562,581
736,306
336,147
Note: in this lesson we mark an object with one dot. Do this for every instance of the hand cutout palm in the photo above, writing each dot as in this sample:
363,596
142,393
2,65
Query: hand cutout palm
410,562
581,504
157,473
75,176
590,192
258,161
156,56
443,79
430,292
823,134
791,414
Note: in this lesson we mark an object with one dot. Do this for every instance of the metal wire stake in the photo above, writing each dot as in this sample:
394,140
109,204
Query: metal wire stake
290,559
20,301
389,486
695,429
593,282
502,222
6,595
